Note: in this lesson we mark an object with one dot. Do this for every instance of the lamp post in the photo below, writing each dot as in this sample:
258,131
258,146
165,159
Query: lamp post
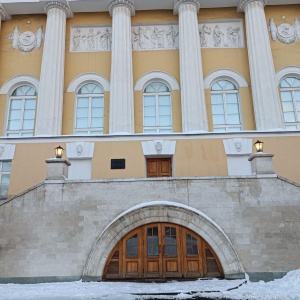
259,146
261,163
59,152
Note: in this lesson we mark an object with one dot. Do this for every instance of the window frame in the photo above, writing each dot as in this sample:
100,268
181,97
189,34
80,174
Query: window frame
10,97
226,126
294,102
89,130
157,127
4,173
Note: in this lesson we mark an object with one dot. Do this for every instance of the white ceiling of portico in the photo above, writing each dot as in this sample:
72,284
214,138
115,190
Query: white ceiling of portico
15,7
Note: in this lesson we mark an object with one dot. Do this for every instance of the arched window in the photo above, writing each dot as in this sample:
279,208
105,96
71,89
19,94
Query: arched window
290,97
89,110
21,114
157,108
225,106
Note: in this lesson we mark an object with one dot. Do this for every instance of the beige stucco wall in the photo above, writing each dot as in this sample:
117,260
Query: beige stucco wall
194,156
143,62
284,54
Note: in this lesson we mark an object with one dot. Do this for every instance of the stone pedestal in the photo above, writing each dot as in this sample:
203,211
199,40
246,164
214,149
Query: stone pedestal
50,96
121,94
57,168
194,116
262,164
266,100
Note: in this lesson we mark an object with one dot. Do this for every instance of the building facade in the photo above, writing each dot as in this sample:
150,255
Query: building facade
136,91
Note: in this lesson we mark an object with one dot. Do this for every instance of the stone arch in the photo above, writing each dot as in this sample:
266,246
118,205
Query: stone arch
10,85
169,212
87,78
156,75
285,72
231,75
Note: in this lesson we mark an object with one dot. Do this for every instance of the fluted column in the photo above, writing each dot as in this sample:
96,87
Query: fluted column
121,93
3,15
194,116
50,96
266,100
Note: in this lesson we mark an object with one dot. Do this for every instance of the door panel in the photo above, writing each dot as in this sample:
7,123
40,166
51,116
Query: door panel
159,167
171,258
162,250
152,253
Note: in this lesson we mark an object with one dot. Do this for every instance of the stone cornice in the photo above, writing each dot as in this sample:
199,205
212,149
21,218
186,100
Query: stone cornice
3,14
178,3
56,4
126,3
244,3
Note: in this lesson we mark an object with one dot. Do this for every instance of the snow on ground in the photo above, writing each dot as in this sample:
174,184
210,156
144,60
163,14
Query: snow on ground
287,288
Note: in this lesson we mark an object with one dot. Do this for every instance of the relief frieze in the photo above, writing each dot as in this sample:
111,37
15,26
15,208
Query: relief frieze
90,39
97,38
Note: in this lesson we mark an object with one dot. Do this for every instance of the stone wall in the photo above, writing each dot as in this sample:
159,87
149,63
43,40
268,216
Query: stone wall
48,232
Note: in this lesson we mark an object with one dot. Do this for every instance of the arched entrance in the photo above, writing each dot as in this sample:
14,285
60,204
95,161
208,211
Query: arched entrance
162,212
162,250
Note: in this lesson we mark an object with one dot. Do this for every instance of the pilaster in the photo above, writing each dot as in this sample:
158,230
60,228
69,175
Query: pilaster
3,15
121,96
266,100
194,116
50,102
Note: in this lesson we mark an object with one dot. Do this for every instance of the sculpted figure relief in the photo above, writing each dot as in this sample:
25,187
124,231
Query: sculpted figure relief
171,37
90,39
233,36
76,40
218,36
139,37
157,38
204,32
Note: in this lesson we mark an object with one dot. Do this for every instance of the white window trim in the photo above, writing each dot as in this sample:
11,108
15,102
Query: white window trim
86,78
161,76
290,71
223,92
236,78
156,94
89,129
13,83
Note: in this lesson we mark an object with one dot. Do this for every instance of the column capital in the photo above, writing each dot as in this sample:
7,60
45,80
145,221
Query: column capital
125,3
243,3
3,14
57,4
178,3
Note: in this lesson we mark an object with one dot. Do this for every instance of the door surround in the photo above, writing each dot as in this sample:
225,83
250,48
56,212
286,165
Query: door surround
168,212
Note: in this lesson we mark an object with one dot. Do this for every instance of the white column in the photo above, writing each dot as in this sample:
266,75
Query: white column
50,96
3,15
194,116
266,100
121,93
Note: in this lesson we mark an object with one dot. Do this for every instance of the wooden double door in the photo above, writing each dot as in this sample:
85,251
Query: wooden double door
162,250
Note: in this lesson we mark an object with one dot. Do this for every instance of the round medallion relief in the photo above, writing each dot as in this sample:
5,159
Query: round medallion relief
286,33
27,41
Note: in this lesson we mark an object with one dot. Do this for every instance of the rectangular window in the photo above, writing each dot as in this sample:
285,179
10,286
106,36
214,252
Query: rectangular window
5,167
